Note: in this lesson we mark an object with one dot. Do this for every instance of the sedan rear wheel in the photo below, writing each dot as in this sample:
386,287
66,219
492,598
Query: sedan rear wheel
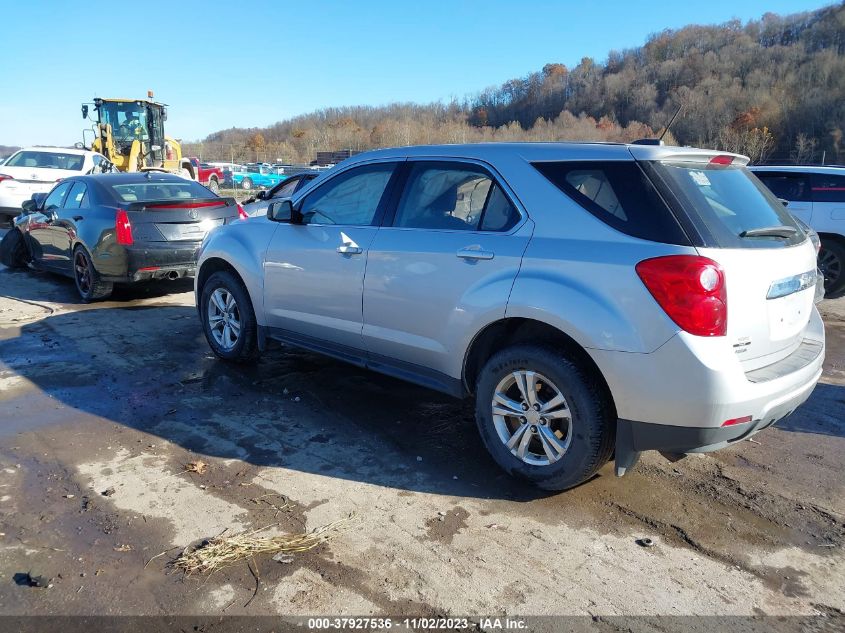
87,279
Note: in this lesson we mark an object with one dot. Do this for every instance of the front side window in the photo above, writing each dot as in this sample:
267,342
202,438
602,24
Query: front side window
351,198
792,187
827,188
453,197
619,194
77,198
57,196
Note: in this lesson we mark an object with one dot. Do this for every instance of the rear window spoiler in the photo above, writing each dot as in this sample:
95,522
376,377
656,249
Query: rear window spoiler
181,203
683,154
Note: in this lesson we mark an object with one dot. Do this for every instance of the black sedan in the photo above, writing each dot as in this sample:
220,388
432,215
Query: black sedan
117,228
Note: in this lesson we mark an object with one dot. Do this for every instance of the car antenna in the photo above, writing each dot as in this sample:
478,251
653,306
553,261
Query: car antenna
659,139
671,121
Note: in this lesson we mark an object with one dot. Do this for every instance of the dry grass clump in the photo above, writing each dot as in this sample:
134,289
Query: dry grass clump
222,551
199,467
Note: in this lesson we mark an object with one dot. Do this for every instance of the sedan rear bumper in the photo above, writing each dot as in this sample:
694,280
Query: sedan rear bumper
158,260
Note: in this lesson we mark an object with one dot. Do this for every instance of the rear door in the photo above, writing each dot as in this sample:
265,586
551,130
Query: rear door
794,188
769,264
444,262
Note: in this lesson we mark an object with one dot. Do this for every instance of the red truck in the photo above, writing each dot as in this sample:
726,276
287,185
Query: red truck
207,175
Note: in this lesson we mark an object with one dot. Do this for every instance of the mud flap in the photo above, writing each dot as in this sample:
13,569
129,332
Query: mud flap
626,456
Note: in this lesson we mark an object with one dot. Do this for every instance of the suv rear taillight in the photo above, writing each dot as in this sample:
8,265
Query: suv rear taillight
124,228
691,291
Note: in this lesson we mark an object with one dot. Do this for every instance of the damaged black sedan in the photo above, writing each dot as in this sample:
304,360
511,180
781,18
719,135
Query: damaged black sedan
117,228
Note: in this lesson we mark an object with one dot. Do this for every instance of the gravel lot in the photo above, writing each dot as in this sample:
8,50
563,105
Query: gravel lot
124,394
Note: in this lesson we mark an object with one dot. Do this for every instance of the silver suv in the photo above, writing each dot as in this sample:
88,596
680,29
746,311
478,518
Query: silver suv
592,297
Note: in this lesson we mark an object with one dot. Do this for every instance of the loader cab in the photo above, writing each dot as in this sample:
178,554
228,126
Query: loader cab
131,121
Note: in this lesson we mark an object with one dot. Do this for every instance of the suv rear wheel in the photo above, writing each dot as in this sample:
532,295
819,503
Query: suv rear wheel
228,319
543,417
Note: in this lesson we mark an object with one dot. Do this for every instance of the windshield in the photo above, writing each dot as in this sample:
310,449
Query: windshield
47,160
128,120
148,191
727,204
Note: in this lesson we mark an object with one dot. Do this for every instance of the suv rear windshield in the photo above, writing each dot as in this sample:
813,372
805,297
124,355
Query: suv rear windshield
619,194
724,202
162,190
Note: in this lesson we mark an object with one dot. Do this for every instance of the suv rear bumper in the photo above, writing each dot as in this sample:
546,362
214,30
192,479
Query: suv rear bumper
677,398
158,260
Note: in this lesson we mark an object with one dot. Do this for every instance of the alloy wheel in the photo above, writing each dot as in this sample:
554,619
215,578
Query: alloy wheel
532,418
82,271
830,265
224,318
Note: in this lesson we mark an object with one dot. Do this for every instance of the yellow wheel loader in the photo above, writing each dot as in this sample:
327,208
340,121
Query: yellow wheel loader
130,133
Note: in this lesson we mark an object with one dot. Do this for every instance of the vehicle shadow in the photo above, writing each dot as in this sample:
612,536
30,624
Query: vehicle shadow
47,286
823,413
150,368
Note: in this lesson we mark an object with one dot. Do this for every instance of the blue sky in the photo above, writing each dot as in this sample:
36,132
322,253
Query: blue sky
254,62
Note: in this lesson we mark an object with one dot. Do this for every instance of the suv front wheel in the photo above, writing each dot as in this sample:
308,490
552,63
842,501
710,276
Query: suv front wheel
228,319
543,417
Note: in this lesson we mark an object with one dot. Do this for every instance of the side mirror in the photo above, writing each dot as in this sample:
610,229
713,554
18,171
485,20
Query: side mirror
261,195
84,111
282,211
29,206
39,199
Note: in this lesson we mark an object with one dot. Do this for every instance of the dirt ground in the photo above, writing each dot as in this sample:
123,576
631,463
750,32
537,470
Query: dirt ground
123,394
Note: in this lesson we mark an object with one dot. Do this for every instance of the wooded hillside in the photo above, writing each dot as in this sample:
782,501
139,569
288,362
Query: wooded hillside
773,89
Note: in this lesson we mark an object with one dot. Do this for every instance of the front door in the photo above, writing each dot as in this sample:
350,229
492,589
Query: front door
42,229
314,271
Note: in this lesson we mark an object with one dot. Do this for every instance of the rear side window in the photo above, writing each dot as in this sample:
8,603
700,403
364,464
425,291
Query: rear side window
792,187
828,188
77,198
725,201
453,197
619,194
161,190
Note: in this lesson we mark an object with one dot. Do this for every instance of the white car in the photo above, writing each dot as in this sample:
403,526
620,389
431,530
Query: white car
815,195
36,169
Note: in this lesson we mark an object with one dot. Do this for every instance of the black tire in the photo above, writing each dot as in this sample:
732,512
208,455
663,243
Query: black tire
88,282
13,251
832,265
246,183
593,427
214,186
245,349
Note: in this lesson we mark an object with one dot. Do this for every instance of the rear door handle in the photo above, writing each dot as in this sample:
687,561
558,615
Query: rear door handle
349,249
474,253
77,218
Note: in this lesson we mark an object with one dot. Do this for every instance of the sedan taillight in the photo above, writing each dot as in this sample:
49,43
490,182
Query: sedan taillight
5,177
123,228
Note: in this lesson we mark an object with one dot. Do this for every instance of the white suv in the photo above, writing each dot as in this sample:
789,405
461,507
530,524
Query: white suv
815,195
592,298
37,169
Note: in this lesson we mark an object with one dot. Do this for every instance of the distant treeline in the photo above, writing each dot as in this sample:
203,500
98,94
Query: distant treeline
774,88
